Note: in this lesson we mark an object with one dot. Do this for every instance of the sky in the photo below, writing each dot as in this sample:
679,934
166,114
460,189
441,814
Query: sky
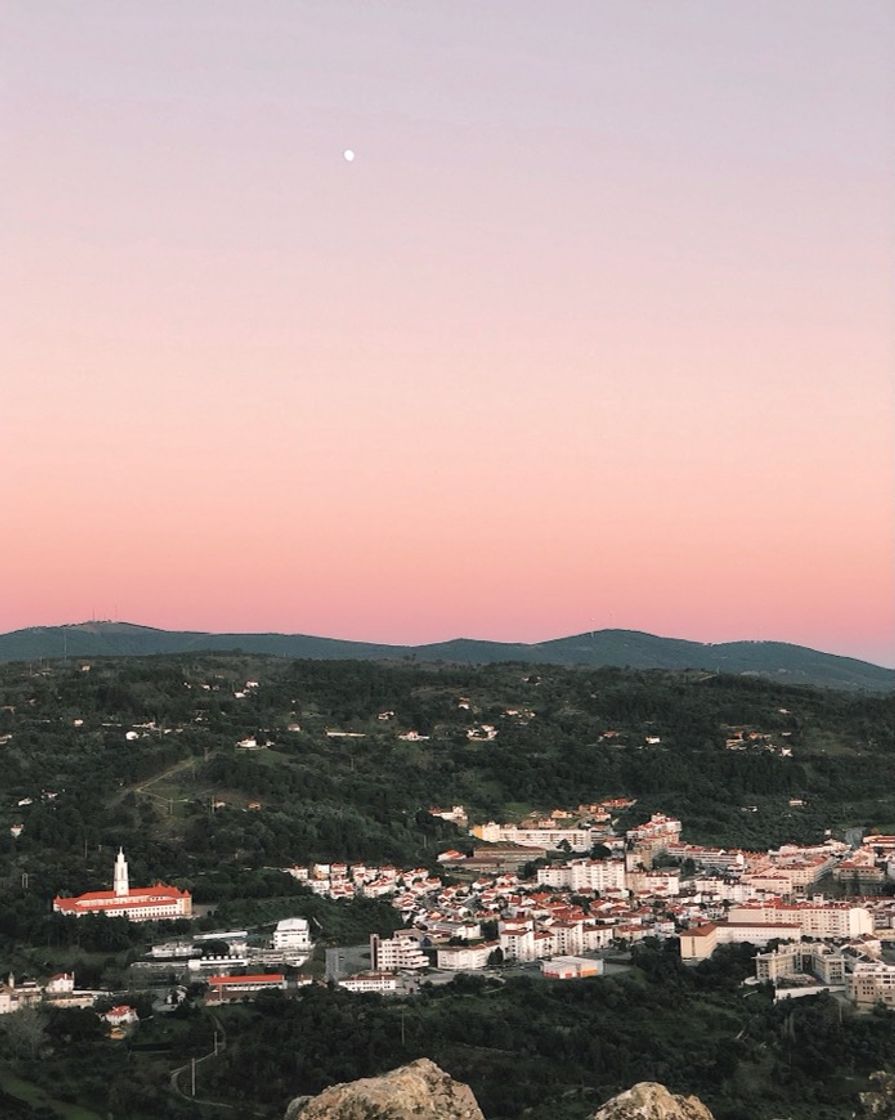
596,330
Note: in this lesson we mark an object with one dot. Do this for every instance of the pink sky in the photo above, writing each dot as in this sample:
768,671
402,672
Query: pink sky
596,330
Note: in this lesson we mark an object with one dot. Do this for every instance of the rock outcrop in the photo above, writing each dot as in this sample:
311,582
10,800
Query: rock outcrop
422,1091
651,1101
418,1091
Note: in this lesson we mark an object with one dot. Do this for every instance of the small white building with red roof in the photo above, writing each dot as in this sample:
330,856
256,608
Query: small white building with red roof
122,1015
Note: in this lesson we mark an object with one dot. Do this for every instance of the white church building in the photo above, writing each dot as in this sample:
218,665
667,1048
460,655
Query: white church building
140,904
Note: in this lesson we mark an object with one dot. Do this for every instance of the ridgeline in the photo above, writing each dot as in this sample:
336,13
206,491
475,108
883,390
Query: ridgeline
780,661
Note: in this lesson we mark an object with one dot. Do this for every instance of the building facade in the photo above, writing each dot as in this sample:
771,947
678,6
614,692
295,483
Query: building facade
140,904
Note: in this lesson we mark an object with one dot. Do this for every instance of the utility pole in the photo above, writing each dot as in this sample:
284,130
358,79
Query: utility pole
193,1076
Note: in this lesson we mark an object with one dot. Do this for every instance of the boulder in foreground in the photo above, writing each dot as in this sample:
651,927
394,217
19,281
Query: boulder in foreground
418,1091
650,1101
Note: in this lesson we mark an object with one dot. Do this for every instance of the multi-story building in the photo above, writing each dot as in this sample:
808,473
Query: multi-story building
394,954
584,875
660,883
816,918
553,839
869,984
825,962
456,928
702,856
862,867
568,937
649,840
517,940
659,829
466,958
721,888
700,942
293,933
596,936
791,876
139,904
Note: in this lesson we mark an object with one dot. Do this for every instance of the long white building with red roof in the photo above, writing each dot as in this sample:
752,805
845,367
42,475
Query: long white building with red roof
140,904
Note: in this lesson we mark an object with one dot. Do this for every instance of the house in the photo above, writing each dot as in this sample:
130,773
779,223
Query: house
122,1015
63,983
14,996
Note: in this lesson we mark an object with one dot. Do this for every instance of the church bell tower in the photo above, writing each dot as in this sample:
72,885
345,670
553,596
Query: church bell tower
121,886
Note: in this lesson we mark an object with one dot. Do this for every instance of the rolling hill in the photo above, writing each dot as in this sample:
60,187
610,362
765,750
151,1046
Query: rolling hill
781,661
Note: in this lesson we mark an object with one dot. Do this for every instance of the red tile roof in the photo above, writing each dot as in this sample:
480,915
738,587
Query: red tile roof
158,895
255,978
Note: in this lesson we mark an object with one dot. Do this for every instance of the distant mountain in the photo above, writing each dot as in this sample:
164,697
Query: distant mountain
789,664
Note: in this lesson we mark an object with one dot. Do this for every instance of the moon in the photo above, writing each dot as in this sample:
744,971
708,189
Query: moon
348,154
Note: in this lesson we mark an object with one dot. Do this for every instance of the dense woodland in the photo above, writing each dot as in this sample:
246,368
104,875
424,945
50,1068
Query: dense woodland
192,809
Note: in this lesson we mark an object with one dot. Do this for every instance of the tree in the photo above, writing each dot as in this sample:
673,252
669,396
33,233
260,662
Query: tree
25,1032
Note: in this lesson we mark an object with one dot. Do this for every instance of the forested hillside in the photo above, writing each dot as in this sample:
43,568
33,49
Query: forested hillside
215,771
143,752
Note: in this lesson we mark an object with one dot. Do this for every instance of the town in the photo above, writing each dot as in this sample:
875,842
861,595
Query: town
562,892
232,860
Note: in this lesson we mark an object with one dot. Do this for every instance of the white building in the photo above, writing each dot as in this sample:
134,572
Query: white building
140,904
658,883
584,875
699,942
394,954
293,933
571,968
363,982
568,937
577,839
817,918
596,937
121,1016
455,815
517,940
870,984
466,958
461,930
